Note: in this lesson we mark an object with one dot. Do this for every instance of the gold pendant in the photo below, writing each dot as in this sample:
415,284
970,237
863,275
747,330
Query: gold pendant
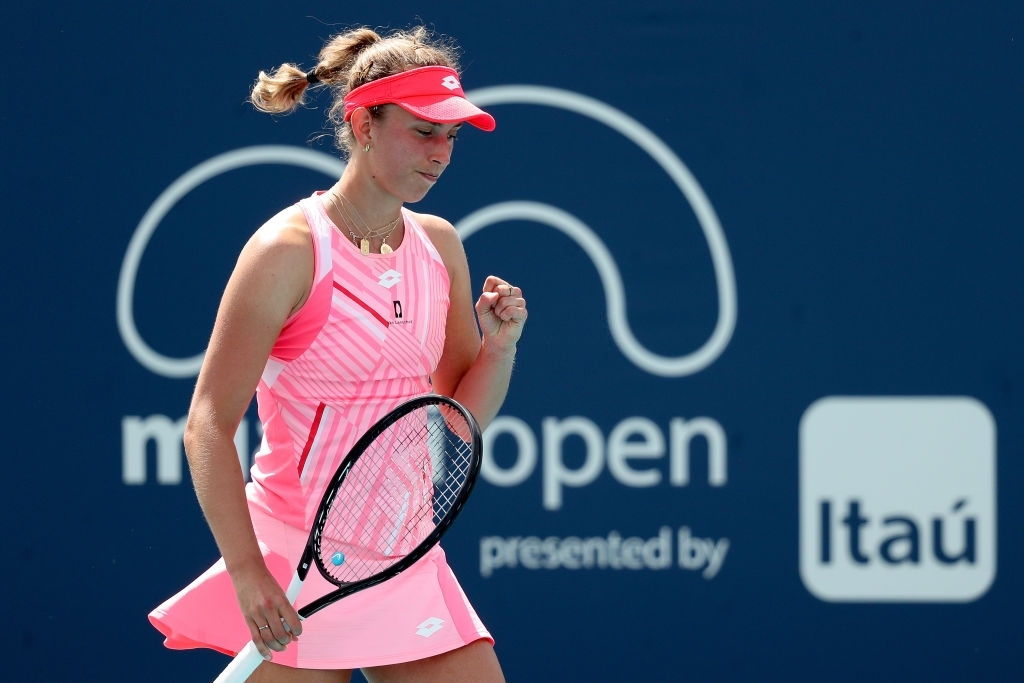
385,249
364,246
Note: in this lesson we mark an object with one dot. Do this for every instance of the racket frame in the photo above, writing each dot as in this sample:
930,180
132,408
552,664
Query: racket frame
311,554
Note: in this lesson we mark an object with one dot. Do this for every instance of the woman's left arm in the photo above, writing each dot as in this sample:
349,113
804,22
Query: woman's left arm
476,363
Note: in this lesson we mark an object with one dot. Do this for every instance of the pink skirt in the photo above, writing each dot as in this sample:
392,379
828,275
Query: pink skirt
420,613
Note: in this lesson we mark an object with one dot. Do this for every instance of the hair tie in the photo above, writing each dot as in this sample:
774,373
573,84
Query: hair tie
311,76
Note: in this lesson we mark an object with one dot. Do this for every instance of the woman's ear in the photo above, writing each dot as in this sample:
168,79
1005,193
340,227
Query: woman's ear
362,127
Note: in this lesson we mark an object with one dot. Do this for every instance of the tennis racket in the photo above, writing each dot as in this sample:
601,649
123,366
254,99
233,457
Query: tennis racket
392,498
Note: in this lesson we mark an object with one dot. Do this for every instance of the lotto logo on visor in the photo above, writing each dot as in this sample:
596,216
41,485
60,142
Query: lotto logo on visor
432,93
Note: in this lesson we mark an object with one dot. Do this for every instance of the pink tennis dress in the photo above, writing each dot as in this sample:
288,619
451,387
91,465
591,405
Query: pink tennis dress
367,339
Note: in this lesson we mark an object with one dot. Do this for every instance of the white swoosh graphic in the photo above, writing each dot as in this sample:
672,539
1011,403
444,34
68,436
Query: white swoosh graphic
618,323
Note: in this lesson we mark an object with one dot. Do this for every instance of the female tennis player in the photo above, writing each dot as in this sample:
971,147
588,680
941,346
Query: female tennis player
339,308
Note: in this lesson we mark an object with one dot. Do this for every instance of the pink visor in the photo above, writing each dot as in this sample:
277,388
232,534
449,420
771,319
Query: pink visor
432,93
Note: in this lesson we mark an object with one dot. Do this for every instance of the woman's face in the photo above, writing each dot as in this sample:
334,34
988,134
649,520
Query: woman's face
408,154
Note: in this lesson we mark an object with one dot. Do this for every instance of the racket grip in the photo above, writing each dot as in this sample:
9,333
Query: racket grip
292,592
242,666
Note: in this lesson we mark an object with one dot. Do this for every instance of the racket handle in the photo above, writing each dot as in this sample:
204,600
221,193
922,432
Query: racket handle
249,657
292,593
242,666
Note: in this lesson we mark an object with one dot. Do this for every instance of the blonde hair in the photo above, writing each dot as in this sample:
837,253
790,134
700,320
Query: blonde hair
347,61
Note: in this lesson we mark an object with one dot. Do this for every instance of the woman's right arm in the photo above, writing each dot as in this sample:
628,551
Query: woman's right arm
270,281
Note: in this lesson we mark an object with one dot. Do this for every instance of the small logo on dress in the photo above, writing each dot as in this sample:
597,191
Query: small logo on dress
451,82
430,627
389,278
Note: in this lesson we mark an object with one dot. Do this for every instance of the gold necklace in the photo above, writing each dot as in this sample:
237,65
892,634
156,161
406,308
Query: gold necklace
363,241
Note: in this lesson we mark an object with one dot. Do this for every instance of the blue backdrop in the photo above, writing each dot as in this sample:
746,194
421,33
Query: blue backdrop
765,422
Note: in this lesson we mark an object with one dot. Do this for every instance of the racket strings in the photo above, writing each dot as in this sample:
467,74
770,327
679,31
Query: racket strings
396,493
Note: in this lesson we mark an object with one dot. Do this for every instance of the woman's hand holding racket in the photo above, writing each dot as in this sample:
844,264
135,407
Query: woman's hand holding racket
273,622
